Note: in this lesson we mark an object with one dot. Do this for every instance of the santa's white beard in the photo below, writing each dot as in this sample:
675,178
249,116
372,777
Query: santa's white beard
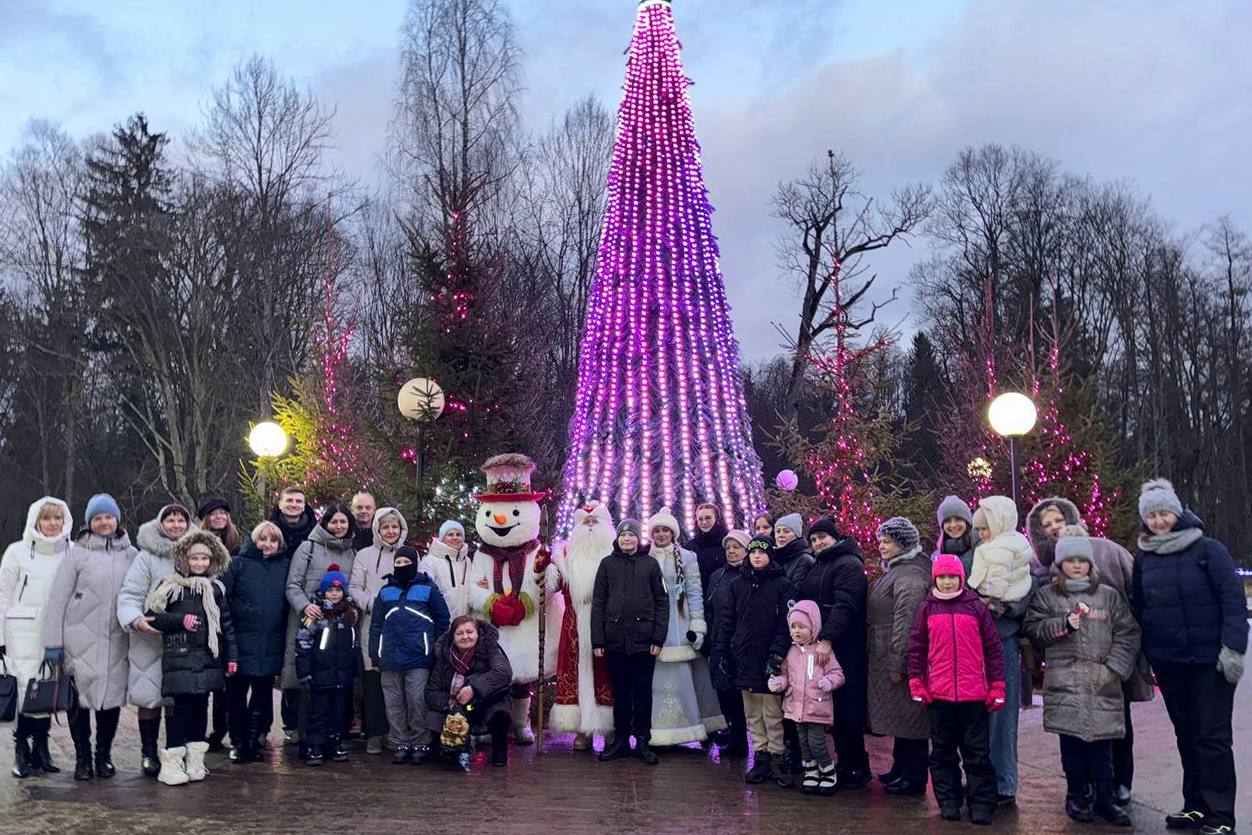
587,546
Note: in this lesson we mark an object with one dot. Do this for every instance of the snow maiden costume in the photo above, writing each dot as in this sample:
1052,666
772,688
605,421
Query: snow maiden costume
511,569
584,691
684,703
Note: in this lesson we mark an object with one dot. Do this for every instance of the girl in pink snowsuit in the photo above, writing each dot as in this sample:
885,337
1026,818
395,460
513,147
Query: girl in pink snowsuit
807,702
956,666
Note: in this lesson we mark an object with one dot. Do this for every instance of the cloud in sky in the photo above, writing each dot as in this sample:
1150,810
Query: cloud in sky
1151,93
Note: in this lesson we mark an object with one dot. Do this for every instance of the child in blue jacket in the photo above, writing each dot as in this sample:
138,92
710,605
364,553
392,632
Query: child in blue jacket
327,658
410,614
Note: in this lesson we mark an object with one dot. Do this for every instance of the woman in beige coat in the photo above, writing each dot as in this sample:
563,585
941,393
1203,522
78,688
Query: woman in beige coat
81,630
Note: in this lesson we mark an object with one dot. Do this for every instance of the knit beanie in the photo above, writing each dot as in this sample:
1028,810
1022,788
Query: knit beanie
100,504
948,565
333,578
629,526
451,525
1158,494
738,536
825,525
900,531
211,504
409,553
1074,548
791,522
954,507
761,543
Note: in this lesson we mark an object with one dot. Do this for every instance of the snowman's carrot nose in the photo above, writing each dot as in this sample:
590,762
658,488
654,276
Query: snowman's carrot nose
500,518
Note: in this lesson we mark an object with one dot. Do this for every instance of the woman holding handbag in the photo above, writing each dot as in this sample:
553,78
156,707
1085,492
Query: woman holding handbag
81,631
26,574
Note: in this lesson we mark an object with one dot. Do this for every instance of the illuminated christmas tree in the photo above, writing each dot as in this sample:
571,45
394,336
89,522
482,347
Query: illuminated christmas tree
659,416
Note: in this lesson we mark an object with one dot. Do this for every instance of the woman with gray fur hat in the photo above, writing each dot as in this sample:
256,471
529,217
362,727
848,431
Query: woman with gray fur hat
1190,603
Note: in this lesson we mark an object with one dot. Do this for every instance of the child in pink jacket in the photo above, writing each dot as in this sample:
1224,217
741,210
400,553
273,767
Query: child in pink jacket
807,702
956,665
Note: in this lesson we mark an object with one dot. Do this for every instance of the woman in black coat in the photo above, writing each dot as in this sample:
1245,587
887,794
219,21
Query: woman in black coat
471,672
255,586
707,544
838,585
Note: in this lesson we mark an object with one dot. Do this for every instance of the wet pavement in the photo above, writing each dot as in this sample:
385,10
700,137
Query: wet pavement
561,791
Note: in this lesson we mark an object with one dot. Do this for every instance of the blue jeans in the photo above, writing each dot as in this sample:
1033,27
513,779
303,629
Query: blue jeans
1004,722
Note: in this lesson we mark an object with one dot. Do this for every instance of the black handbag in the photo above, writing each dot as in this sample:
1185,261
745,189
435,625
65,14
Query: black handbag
52,692
8,692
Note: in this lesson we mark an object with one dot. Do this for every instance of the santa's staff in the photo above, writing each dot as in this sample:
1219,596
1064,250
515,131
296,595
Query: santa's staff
541,579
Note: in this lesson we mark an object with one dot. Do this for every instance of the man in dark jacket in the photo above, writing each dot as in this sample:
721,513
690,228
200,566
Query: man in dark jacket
364,507
293,518
629,621
838,585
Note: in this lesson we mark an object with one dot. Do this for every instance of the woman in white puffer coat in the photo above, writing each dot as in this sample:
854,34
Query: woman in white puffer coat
26,573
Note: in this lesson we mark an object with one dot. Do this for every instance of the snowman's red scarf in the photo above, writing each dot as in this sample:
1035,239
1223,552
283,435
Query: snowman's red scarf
515,556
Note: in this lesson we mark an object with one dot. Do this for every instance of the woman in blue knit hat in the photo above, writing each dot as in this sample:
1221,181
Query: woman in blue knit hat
1190,604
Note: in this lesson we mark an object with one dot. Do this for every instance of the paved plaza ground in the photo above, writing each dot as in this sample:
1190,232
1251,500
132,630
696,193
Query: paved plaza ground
563,791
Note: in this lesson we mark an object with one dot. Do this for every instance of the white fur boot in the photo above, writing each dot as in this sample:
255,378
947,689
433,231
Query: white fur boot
172,771
522,734
195,761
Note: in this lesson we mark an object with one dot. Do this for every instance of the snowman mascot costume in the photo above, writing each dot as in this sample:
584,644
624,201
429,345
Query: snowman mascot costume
511,569
584,692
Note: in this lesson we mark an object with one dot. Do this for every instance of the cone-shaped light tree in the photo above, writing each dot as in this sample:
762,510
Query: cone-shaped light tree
659,415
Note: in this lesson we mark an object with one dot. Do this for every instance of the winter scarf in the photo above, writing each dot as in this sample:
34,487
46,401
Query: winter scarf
1077,585
515,557
461,659
176,586
1170,543
947,595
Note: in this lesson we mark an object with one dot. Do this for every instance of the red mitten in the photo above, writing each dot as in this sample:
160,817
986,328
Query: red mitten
542,559
508,611
917,689
189,622
231,668
995,697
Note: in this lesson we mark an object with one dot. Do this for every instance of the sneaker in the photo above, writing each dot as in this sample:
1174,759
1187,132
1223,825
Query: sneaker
1121,795
313,756
1221,829
827,780
374,745
1186,819
291,736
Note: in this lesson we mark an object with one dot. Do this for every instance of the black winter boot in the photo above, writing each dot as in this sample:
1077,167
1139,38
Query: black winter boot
618,748
106,730
41,757
149,759
500,745
786,768
1106,807
762,769
80,732
336,750
258,733
21,748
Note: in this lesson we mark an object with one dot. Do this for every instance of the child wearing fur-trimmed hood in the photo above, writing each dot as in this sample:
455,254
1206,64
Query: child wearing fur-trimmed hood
189,608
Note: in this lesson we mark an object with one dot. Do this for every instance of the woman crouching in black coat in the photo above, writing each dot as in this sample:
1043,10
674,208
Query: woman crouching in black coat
189,608
471,678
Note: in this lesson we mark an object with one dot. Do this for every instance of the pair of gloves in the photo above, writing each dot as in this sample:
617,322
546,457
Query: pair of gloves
994,700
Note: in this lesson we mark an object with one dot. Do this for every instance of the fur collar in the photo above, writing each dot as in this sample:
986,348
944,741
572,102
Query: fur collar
440,549
152,538
177,586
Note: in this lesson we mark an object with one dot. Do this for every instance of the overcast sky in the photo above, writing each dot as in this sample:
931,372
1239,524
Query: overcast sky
1156,93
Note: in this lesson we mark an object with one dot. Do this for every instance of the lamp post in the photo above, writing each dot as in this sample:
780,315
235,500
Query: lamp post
1012,415
267,440
420,400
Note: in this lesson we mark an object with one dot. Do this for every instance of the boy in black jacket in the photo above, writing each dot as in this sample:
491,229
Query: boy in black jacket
749,645
327,656
629,620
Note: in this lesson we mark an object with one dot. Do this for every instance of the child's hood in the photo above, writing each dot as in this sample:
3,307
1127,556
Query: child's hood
219,557
807,610
1000,514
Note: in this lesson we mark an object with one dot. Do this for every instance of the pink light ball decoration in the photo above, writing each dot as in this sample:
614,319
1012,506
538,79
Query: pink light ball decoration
659,414
787,480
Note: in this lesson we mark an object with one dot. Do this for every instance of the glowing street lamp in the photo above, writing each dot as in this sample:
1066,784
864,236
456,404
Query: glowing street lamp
267,440
421,400
1012,415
